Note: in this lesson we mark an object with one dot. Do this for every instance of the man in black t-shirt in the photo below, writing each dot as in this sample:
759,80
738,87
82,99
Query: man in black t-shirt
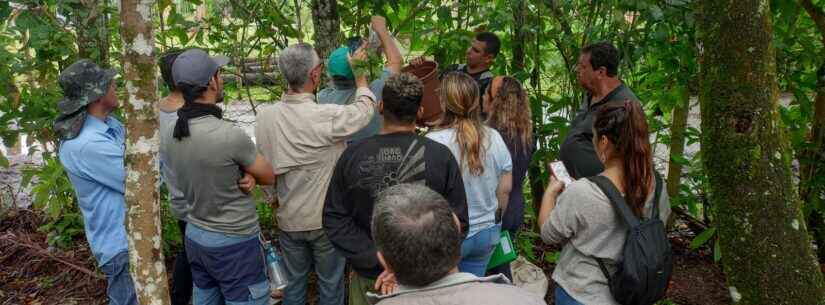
597,74
479,57
396,155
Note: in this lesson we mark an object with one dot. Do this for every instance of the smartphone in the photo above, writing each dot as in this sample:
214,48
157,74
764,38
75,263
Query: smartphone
560,172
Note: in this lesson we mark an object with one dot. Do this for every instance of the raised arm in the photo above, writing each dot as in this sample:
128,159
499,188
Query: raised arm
391,52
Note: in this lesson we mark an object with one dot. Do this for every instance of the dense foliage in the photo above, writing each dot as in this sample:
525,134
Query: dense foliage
541,41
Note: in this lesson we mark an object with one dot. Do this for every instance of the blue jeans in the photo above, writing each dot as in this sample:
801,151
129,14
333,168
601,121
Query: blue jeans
476,250
120,288
226,268
562,298
301,251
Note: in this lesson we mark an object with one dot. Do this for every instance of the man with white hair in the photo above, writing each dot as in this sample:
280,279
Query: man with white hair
303,140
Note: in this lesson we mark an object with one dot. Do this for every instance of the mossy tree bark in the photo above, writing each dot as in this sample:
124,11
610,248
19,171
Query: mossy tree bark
812,160
325,20
142,141
767,254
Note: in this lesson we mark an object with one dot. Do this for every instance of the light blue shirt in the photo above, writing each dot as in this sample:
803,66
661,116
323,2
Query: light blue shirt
94,162
481,190
340,94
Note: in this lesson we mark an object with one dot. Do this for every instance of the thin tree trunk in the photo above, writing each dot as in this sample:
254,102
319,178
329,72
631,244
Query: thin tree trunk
677,143
812,159
519,35
767,257
327,35
142,141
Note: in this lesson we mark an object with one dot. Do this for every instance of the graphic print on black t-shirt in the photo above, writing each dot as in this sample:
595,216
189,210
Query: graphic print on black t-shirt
391,166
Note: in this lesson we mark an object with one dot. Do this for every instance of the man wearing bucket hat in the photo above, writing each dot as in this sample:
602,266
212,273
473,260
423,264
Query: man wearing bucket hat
91,150
208,156
341,90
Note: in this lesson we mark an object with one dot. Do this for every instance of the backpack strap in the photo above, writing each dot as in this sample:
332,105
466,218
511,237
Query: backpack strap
616,199
618,202
656,195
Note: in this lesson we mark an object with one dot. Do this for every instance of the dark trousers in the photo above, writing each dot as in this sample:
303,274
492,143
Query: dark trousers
182,275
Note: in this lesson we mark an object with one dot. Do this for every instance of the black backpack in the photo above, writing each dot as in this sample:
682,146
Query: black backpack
642,276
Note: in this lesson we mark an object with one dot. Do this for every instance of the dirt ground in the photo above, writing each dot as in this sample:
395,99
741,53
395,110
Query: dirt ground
31,273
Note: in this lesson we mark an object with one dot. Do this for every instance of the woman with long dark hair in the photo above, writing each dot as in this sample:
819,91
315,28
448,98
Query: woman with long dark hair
508,112
583,219
485,167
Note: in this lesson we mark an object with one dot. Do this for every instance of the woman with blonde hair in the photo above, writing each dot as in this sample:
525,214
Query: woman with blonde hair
485,167
508,112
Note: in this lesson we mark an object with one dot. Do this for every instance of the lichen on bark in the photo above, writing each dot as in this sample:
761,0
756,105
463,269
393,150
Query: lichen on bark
142,198
767,260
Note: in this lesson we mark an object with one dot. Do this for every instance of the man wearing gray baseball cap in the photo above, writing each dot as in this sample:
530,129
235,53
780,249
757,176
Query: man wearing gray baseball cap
91,149
209,156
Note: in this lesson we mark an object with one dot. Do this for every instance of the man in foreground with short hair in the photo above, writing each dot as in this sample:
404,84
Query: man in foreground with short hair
208,156
303,140
396,155
419,240
91,149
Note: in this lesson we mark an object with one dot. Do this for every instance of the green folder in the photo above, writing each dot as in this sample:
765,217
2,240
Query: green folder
504,252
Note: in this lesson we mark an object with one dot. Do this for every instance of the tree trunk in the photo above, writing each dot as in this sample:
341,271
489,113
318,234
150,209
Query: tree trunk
142,141
327,35
811,168
91,22
678,126
812,159
519,35
768,257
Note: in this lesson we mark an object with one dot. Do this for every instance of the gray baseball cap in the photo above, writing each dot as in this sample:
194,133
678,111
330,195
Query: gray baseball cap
195,67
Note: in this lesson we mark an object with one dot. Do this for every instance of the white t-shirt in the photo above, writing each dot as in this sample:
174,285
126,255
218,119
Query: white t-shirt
481,190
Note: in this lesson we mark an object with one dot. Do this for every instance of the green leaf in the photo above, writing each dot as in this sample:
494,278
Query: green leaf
5,10
717,252
702,238
552,257
4,162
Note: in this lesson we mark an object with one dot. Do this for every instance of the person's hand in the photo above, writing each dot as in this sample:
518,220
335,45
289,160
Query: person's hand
554,185
247,183
385,283
418,61
379,24
358,62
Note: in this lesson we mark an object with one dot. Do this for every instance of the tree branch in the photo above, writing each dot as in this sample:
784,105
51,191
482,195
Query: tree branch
816,14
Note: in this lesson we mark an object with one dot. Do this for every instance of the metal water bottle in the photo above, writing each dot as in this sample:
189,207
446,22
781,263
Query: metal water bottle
275,268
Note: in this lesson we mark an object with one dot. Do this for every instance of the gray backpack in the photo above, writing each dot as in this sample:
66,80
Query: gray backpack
642,276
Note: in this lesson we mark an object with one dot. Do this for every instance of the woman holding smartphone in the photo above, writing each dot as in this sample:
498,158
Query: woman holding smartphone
583,219
485,167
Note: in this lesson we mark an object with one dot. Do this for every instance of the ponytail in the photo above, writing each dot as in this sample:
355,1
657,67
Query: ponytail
625,126
460,98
